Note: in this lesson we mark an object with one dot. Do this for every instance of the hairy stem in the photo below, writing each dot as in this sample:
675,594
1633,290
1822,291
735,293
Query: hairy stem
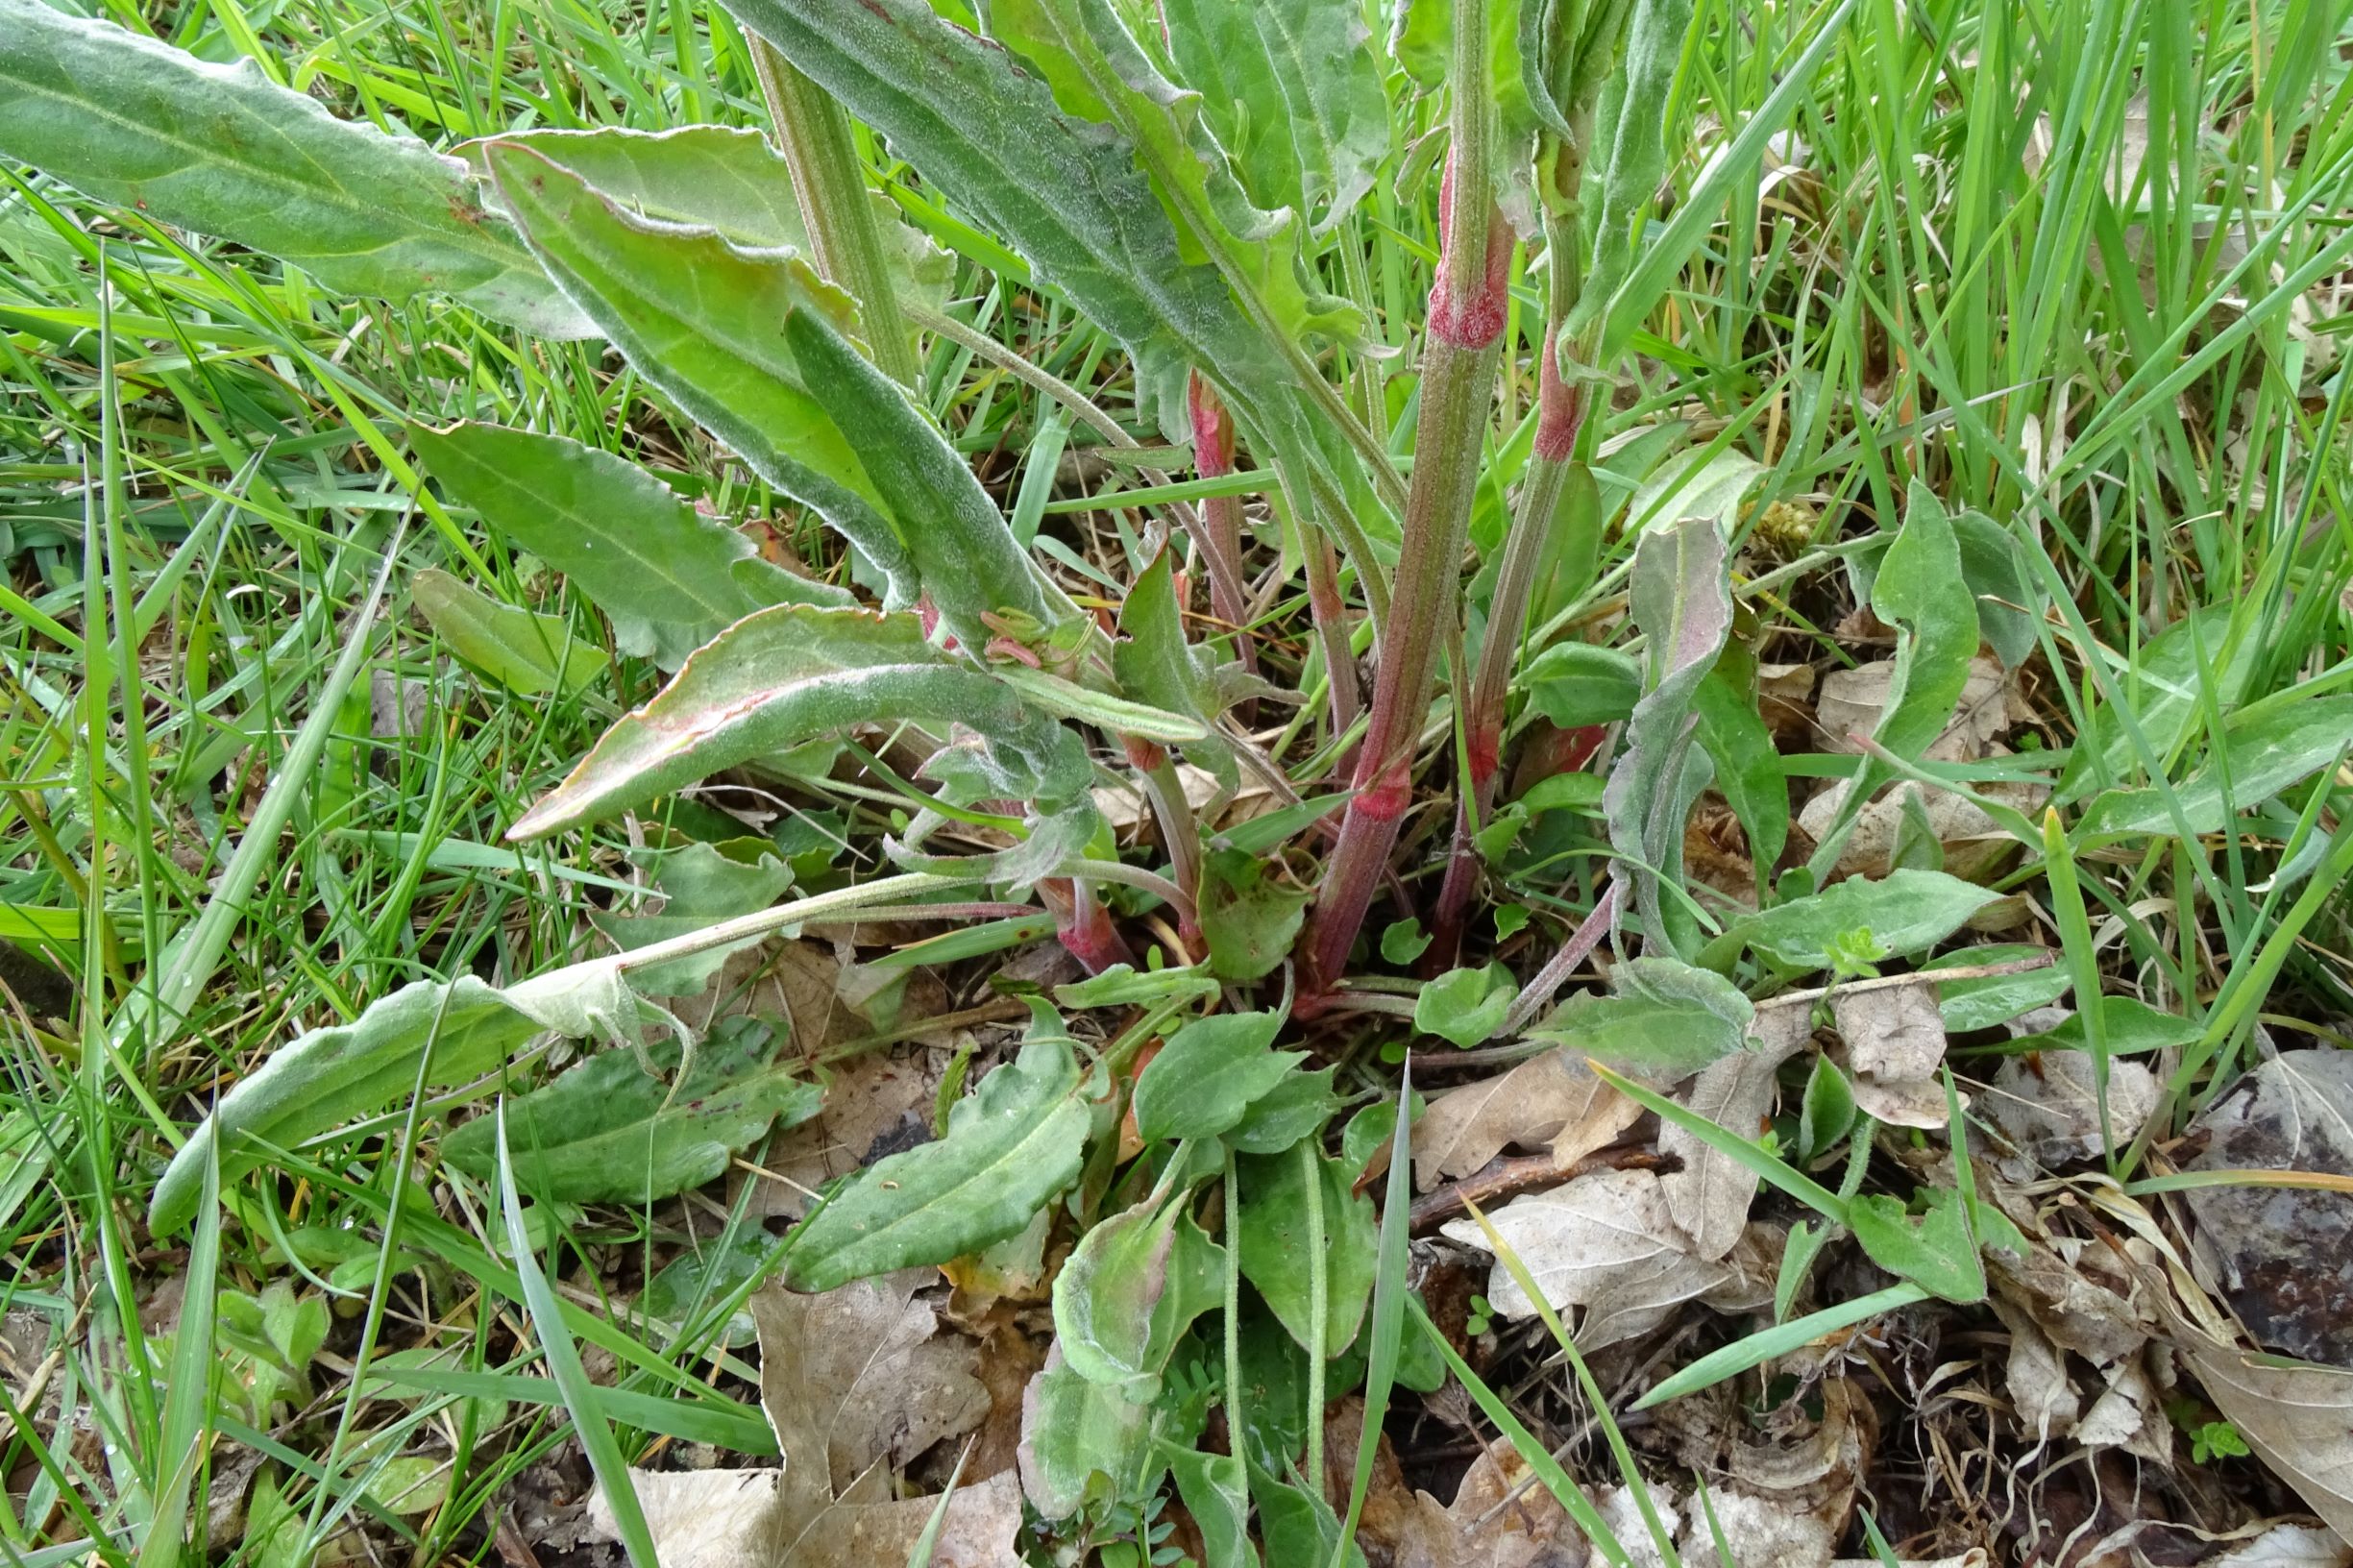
1559,416
813,133
1221,516
1458,363
1181,836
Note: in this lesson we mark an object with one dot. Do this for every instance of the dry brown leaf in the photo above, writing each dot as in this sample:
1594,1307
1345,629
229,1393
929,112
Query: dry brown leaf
2282,1255
1553,1099
2298,1417
981,1529
740,1519
1605,1243
2040,1394
2047,1103
1894,1039
860,1376
1408,1529
1975,846
1573,1237
1851,700
1710,1197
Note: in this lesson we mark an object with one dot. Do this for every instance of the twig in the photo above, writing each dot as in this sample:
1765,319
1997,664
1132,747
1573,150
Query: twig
1503,1176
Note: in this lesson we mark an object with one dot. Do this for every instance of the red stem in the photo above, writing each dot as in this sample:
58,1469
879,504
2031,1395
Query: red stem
1221,536
1459,363
1560,410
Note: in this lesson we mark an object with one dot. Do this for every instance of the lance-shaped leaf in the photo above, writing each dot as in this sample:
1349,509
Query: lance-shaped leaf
1920,591
728,180
524,651
316,1083
1011,1148
2265,750
1276,1255
1206,1079
1098,72
1903,911
668,577
751,343
607,1132
1153,663
1053,839
1681,604
1080,1438
791,675
1662,1021
1132,1287
1629,157
1292,89
1065,194
223,150
699,887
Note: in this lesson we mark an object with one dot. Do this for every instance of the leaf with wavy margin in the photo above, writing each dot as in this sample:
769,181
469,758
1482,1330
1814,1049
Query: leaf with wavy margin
793,673
225,151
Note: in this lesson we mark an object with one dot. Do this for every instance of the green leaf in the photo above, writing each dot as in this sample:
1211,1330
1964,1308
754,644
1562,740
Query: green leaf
1275,1252
1248,921
2266,748
1936,628
1628,160
1069,700
2204,655
1421,40
606,1132
1122,985
1574,684
225,151
1903,911
1799,1250
1936,637
1465,1006
606,1458
2127,1028
1995,998
525,652
1695,483
1292,89
1827,1114
1011,1148
1757,1349
1296,1523
1131,1288
1080,1439
1297,1107
789,674
1748,764
1057,837
327,1077
1684,607
1208,1074
2009,597
699,887
1098,72
1404,940
1936,1252
668,577
1152,664
728,180
1664,1021
756,352
1217,1494
1065,195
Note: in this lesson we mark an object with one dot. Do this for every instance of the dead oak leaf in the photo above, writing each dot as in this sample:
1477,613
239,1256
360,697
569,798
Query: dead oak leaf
1894,1037
857,1377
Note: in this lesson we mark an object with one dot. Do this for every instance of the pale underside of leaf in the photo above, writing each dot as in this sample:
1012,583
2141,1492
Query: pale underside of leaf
225,151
